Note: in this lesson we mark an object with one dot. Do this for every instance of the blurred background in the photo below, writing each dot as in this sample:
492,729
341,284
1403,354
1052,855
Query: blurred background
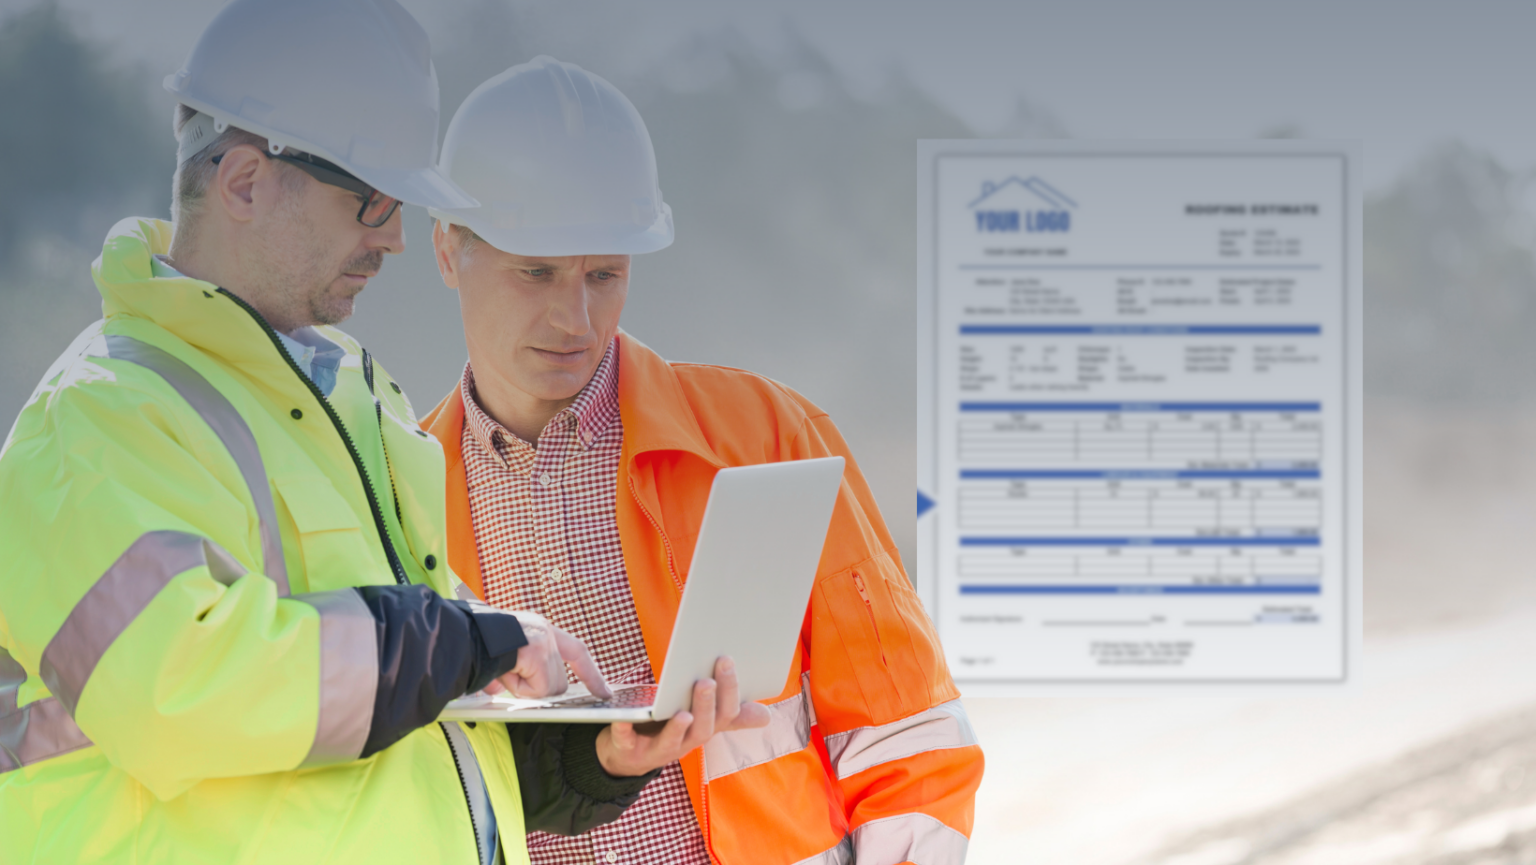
785,139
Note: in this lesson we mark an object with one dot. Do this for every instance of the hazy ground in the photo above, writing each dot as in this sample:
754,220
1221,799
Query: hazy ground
1430,759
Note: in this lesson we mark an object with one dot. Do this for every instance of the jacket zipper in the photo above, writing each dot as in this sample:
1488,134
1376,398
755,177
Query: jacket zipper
464,785
671,565
341,429
869,607
378,413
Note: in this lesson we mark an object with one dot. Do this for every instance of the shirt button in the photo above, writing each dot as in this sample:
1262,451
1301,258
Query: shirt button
555,574
545,479
612,856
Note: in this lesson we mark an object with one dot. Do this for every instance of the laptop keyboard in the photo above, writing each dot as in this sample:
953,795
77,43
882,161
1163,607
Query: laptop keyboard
624,697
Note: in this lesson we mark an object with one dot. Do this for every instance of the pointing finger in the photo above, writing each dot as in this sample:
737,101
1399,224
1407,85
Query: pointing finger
575,653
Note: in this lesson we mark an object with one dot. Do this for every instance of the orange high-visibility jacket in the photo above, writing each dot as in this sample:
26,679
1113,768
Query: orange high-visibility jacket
869,753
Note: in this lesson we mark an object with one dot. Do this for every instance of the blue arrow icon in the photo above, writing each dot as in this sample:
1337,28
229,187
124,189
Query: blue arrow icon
924,504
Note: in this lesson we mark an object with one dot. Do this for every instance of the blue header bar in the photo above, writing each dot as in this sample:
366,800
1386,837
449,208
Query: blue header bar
1201,541
1138,474
1142,329
1141,406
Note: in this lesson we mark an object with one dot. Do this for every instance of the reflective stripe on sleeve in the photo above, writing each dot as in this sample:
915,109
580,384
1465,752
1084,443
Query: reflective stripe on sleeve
788,731
117,598
915,838
840,854
349,675
12,677
225,421
36,731
943,726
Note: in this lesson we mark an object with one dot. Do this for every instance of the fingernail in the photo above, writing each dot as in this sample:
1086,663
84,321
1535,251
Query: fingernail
727,665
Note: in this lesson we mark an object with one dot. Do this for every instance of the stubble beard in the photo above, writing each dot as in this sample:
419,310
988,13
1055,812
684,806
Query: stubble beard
301,271
328,306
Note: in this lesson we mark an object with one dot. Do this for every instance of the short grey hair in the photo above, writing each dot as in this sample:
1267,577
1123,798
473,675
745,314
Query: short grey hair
468,239
189,184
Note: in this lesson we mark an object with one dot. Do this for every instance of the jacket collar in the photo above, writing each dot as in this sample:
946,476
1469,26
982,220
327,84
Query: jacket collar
191,309
656,413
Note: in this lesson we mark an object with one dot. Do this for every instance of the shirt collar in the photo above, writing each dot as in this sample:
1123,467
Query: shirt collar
595,407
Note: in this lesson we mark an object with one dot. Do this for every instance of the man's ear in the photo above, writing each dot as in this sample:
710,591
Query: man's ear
241,169
446,249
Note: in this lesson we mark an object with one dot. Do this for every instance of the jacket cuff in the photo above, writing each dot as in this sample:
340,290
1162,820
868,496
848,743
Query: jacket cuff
497,637
585,772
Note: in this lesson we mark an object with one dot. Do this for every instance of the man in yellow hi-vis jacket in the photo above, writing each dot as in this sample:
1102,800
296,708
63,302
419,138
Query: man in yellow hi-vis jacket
227,621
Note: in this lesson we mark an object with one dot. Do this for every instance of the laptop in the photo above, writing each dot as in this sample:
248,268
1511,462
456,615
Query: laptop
753,568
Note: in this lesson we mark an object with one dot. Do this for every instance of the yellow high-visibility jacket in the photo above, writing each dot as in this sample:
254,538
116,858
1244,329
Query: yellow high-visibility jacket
185,673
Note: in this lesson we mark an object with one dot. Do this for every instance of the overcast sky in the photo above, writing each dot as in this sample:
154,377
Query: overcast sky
1399,76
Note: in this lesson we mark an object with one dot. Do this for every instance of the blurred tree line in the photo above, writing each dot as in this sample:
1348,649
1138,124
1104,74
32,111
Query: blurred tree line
80,140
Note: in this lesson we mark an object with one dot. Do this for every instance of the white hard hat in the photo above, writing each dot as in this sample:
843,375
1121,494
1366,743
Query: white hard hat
350,81
561,163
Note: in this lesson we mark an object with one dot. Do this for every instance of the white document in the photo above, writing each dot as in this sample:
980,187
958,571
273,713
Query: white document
1139,412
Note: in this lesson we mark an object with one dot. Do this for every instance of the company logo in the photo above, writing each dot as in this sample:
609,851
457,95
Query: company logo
1022,205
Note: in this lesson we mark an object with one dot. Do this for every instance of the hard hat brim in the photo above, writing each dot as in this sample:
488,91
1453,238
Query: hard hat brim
424,187
626,239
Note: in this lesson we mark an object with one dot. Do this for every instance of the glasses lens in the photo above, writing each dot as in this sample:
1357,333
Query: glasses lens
377,209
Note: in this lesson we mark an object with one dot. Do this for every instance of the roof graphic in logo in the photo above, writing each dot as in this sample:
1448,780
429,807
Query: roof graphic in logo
1042,190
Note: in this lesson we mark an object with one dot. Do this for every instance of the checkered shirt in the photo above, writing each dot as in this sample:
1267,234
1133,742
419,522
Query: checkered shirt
548,538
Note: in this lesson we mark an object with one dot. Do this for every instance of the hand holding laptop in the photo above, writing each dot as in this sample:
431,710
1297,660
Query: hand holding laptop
634,749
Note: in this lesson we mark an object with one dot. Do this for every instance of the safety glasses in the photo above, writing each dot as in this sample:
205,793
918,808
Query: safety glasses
377,207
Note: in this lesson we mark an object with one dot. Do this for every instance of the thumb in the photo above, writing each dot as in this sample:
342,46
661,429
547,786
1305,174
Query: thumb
623,736
752,715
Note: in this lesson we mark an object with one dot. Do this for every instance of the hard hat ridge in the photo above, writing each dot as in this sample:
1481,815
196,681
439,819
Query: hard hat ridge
561,162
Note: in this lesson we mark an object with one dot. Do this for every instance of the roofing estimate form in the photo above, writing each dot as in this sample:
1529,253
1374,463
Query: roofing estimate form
1139,412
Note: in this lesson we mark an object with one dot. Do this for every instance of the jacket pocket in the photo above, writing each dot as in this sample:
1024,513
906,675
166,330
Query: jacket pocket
328,535
874,632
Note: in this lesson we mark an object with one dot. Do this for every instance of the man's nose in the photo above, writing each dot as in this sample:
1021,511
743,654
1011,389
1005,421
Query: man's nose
568,306
389,237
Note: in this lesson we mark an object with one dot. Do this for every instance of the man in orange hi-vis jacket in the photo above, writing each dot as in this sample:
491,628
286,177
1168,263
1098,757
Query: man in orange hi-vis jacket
579,463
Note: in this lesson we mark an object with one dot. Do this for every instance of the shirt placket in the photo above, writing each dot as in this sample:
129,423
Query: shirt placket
547,502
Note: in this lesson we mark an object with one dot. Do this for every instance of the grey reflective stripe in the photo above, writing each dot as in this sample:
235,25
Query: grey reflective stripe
916,838
117,598
464,593
225,421
12,676
839,854
788,731
36,731
943,726
349,675
479,797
